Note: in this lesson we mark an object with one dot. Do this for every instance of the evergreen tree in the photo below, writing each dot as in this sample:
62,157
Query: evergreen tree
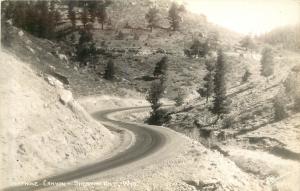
92,7
72,13
101,12
7,10
208,87
179,99
53,19
220,102
153,96
85,48
39,18
110,70
198,48
43,27
161,67
267,62
280,112
214,40
205,48
84,16
174,15
152,17
246,76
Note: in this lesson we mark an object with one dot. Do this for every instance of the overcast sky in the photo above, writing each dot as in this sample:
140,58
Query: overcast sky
248,16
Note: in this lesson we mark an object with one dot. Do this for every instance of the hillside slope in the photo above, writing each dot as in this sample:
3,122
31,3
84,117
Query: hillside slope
43,130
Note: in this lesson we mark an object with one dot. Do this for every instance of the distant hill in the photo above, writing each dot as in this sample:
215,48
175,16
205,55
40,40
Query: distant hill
286,37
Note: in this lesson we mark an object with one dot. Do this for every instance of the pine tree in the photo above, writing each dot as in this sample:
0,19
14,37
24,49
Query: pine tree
72,13
101,12
179,99
208,87
7,10
84,16
198,48
214,40
161,67
246,76
53,19
174,16
205,50
110,70
92,7
152,17
280,112
220,102
267,62
42,8
85,48
153,96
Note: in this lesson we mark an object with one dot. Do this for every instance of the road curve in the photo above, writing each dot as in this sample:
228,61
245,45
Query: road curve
150,142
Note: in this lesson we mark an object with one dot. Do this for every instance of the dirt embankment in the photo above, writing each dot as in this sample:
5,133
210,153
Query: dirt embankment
43,129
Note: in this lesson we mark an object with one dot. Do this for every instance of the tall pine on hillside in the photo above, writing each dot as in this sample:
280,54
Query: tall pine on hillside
220,102
101,12
267,63
152,17
72,13
110,70
174,15
161,67
208,88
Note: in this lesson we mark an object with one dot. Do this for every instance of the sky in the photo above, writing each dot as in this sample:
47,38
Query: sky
251,17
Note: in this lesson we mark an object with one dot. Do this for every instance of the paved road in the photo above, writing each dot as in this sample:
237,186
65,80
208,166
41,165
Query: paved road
151,142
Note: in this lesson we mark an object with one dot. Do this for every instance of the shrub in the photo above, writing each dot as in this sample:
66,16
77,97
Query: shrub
120,36
228,122
267,65
161,67
246,76
197,48
179,99
110,70
159,117
279,109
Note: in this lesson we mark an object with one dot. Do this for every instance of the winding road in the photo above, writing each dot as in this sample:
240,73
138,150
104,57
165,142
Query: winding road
152,144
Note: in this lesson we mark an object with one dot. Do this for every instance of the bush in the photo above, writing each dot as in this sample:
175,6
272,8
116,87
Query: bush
179,99
86,49
246,76
228,122
279,109
120,36
161,67
159,117
136,36
197,48
267,63
110,70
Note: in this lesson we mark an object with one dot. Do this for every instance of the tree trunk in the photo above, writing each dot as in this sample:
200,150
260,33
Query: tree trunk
102,25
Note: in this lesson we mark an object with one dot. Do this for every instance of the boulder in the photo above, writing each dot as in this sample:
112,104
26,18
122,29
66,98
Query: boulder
65,96
20,33
53,81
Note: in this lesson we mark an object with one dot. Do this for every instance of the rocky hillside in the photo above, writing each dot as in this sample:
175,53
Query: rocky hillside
135,54
43,129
